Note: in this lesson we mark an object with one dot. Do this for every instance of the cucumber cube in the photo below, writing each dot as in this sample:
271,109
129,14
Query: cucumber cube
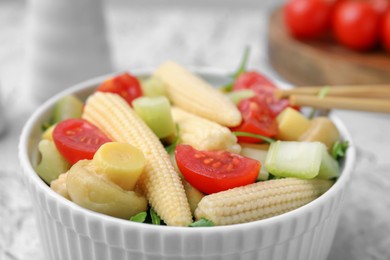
305,160
156,113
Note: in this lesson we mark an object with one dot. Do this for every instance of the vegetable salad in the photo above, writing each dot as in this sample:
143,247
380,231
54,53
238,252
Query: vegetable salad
172,150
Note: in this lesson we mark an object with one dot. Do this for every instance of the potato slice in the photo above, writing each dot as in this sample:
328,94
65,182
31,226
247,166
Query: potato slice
59,186
95,192
323,130
194,196
292,124
122,163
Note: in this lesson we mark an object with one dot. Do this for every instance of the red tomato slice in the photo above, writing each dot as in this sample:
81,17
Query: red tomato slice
77,139
215,171
257,119
125,85
264,89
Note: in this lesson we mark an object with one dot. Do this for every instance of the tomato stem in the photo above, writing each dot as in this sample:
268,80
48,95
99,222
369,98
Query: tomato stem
321,94
262,137
242,68
244,61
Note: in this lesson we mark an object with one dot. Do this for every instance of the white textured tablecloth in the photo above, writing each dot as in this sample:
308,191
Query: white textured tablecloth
145,36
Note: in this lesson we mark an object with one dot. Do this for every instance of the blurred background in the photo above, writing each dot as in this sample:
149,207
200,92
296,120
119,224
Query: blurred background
146,33
211,33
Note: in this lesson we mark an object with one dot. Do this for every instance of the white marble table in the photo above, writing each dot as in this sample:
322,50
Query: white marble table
144,36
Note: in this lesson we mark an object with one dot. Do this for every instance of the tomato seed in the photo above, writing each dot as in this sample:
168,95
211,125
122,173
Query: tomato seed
253,106
235,161
199,155
216,164
208,160
229,167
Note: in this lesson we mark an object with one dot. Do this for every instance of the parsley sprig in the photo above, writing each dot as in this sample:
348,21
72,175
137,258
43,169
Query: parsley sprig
339,149
144,217
203,222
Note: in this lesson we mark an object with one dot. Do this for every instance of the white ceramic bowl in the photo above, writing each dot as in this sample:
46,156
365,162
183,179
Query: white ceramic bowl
69,232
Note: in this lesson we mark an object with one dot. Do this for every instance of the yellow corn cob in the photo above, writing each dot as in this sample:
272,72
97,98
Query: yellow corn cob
159,181
260,200
195,95
203,134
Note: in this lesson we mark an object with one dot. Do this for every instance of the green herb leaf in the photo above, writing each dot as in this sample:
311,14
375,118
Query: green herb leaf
203,222
339,149
156,220
262,137
140,217
242,68
171,148
323,93
45,126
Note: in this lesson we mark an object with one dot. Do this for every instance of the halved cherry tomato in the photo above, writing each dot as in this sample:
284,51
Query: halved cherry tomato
257,118
77,139
252,80
125,85
215,171
264,89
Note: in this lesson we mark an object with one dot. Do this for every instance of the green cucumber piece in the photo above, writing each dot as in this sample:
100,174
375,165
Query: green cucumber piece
153,87
67,107
305,160
259,155
329,167
237,96
52,163
294,159
156,113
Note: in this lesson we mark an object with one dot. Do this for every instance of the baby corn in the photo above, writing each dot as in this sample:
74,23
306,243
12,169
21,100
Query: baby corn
195,95
203,134
260,200
159,181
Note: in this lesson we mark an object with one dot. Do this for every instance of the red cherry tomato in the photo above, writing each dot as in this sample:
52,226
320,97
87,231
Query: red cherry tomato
77,139
252,80
356,25
381,6
264,89
307,19
386,31
256,119
125,85
215,171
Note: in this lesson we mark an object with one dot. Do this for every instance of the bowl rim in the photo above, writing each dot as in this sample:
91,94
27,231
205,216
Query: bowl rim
29,172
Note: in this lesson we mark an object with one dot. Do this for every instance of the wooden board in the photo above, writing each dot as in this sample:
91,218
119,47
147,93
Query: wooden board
322,62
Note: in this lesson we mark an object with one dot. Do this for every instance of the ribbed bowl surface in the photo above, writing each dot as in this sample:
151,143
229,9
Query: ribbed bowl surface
69,232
